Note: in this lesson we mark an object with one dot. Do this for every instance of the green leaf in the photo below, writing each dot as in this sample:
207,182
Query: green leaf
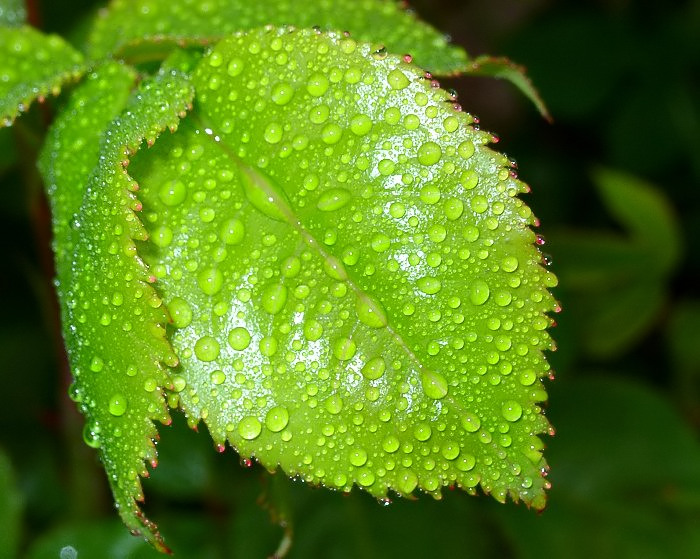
615,285
645,213
355,292
639,492
71,152
10,509
163,22
683,333
33,66
12,13
503,68
115,335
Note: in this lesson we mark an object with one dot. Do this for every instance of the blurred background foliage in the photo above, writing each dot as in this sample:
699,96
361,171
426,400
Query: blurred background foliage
616,183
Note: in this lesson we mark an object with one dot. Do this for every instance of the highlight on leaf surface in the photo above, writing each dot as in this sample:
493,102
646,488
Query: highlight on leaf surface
385,22
33,65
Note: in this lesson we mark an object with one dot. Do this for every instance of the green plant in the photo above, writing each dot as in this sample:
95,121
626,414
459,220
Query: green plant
324,262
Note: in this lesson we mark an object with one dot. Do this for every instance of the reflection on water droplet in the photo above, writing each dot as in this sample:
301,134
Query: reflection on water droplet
333,199
117,405
434,385
249,428
277,419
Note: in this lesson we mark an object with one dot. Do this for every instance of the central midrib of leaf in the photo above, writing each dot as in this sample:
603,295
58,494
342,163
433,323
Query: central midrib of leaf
266,197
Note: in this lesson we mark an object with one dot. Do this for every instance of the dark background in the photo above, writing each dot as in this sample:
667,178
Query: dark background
622,81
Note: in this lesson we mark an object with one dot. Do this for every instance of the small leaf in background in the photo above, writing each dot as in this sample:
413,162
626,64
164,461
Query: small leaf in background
10,509
12,13
33,66
625,476
385,22
502,68
616,284
683,334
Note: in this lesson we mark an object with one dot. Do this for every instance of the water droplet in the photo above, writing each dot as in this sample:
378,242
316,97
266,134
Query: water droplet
334,404
528,377
282,93
235,67
449,450
317,85
179,384
173,193
344,349
380,242
273,133
331,133
96,365
397,79
391,444
454,208
262,194
268,346
277,419
206,348
479,292
366,478
210,281
407,482
360,124
312,330
249,428
217,377
509,264
511,410
117,405
471,422
429,285
465,149
232,231
358,457
91,434
434,385
162,236
239,338
274,298
479,203
422,431
334,268
374,368
333,199
429,153
370,312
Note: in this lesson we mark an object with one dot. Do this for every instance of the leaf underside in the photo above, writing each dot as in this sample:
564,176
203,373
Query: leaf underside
353,292
33,66
383,22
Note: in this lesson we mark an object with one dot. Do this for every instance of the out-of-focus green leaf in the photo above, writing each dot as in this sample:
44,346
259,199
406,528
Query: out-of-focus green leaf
645,213
32,66
683,335
127,24
192,537
12,13
614,285
10,509
625,476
